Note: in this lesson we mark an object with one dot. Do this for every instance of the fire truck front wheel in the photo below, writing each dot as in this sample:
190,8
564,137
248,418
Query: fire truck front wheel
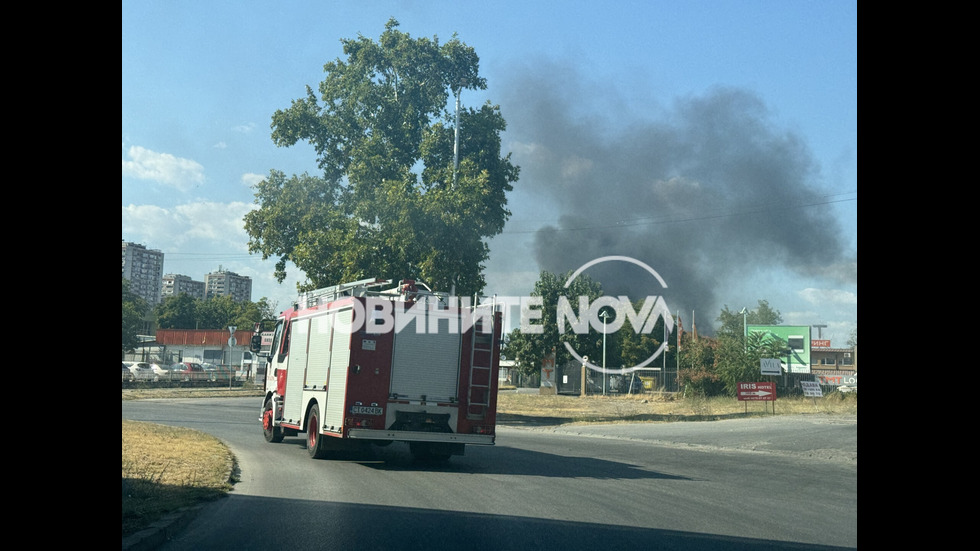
315,445
272,433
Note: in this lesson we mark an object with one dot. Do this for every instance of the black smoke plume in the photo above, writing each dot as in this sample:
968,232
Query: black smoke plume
705,191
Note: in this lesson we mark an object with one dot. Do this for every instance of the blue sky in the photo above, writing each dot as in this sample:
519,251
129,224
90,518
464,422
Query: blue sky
715,141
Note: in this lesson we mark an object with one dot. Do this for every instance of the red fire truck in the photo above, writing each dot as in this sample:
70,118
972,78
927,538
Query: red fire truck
359,363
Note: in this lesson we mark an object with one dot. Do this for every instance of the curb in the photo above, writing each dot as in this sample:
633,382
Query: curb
154,535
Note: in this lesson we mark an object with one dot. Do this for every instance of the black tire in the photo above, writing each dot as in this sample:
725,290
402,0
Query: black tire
315,445
272,433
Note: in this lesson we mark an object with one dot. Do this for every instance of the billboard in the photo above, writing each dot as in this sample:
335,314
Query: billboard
794,341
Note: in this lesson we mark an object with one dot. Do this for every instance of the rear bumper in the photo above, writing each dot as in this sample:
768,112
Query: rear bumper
415,436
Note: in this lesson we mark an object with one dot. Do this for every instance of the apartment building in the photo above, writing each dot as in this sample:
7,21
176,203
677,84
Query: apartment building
223,282
175,284
144,269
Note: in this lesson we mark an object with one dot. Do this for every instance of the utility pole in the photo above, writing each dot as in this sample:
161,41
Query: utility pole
604,315
459,91
585,362
745,329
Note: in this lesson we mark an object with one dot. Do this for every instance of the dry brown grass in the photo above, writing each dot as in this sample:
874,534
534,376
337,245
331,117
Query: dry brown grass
148,391
660,407
167,468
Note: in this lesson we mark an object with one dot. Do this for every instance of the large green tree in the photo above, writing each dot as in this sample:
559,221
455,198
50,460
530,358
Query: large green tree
182,311
133,310
391,201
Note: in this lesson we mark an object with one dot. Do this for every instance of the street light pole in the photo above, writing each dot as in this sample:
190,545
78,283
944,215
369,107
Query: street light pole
745,330
604,315
459,91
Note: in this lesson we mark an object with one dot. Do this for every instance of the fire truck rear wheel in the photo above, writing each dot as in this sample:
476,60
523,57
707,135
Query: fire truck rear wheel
315,445
272,433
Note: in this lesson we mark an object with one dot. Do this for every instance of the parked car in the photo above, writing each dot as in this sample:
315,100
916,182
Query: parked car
171,371
145,371
127,375
218,372
187,371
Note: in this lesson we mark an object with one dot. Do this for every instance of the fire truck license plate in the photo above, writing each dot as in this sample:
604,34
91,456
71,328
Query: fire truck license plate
366,410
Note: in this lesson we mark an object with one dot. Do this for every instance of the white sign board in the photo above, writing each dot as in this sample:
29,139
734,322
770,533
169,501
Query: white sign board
811,389
771,366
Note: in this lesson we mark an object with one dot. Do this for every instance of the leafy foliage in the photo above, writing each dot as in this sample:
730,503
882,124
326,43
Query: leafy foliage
185,312
735,360
380,116
697,372
177,312
636,348
530,348
738,361
133,310
732,323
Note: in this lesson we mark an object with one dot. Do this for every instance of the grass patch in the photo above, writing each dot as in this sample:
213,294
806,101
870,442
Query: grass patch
167,468
661,406
142,393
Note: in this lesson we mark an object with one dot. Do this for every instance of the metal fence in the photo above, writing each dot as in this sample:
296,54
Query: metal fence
568,381
223,375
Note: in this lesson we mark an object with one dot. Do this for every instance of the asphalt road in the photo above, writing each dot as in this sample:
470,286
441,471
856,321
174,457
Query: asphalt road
784,482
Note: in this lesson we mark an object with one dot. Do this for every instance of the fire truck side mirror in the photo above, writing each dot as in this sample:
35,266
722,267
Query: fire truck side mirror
256,344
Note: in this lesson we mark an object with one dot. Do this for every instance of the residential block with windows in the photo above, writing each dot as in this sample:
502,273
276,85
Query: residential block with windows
225,283
143,268
175,284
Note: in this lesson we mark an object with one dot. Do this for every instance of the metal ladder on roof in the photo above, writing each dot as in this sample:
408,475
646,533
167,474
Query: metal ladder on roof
327,294
481,367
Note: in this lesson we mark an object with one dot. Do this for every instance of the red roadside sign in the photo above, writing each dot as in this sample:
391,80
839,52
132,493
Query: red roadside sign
751,392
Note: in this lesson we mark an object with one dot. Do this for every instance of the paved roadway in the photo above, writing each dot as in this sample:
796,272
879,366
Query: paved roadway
782,482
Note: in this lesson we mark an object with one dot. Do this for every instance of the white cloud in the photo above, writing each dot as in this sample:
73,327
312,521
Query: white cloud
250,179
208,226
245,128
824,297
163,168
219,224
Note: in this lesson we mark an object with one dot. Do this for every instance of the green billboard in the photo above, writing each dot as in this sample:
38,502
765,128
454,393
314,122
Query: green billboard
794,343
